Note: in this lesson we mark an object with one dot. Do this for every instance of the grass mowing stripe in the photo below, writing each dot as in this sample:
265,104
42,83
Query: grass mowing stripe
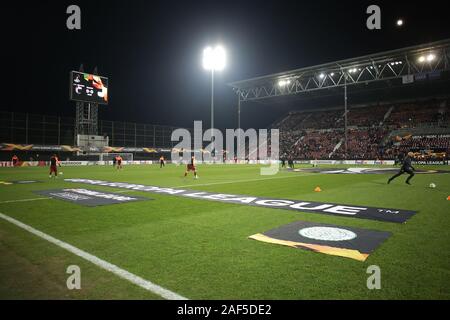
23,200
145,284
239,181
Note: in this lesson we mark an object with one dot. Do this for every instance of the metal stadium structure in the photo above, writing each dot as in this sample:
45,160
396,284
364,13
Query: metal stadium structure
405,67
396,64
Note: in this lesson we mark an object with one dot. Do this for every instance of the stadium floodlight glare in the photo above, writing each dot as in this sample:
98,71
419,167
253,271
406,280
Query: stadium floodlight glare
421,59
399,22
430,57
214,58
321,76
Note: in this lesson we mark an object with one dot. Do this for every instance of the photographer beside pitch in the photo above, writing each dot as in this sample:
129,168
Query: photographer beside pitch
406,167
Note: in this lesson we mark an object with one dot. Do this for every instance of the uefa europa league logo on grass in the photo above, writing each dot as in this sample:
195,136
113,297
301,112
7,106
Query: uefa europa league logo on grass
259,146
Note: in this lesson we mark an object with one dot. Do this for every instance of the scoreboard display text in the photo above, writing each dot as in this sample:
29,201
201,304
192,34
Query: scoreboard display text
87,87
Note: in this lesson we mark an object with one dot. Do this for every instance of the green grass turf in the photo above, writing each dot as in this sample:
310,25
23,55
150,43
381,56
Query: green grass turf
199,249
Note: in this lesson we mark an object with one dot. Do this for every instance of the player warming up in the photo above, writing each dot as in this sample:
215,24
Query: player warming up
54,166
406,167
191,167
15,161
119,162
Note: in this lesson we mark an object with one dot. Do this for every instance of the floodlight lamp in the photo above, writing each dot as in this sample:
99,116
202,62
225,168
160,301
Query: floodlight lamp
214,58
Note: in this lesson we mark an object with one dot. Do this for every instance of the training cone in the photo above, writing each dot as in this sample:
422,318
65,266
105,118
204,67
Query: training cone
448,198
317,189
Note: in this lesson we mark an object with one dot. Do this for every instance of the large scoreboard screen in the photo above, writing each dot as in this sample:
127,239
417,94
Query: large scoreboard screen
87,87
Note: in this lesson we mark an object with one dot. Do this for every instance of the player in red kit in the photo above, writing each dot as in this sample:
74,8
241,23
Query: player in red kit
119,162
54,166
15,160
191,167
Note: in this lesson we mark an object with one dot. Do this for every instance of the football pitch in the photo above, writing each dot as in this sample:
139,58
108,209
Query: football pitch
201,249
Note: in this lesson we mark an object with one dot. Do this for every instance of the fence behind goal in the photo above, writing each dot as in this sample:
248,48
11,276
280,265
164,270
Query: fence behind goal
111,156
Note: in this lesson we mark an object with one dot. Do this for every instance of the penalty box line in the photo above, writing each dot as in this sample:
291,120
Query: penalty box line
124,274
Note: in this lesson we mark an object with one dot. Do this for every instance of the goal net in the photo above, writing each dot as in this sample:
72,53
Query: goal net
111,156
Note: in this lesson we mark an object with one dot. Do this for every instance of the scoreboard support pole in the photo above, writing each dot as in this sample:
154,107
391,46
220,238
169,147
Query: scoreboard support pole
86,121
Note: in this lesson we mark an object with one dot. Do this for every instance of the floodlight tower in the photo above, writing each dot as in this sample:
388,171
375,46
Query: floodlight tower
213,60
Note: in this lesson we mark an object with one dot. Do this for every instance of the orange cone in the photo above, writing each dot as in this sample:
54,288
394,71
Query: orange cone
448,198
317,189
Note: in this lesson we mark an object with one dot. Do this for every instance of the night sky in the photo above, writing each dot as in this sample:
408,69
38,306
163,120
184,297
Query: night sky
151,51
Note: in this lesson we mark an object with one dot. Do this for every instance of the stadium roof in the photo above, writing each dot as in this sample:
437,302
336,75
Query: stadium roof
409,65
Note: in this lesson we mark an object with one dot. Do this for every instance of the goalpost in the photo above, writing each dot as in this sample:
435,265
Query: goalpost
110,156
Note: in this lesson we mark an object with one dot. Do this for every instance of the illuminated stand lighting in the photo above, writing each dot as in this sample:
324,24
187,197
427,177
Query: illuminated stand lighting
283,83
428,58
400,22
214,59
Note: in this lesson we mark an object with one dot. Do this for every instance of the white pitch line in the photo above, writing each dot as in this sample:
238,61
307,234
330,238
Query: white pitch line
145,284
23,200
238,181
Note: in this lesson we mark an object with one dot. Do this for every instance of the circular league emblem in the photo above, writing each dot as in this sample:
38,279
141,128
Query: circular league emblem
327,234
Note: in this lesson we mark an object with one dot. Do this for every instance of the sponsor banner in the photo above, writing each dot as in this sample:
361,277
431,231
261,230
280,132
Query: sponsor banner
112,149
373,213
23,164
66,148
89,198
31,164
303,161
354,243
6,164
431,136
12,147
73,163
328,162
434,75
430,162
362,171
420,76
353,162
33,147
70,149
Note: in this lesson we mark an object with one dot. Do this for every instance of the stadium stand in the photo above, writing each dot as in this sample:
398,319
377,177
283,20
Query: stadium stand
371,131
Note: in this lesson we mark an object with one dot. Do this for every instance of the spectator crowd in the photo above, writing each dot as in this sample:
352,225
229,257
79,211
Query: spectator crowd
321,135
